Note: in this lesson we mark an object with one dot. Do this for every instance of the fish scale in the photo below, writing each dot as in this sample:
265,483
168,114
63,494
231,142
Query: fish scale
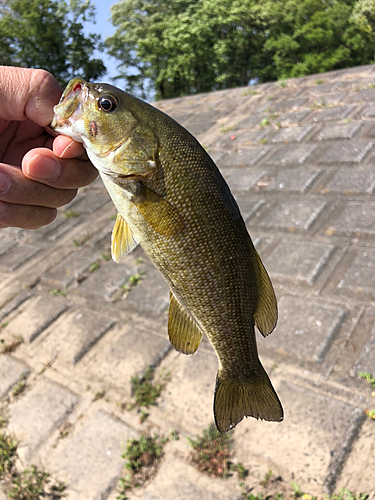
172,199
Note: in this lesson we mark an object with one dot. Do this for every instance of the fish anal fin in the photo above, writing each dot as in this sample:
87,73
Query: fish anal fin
122,241
157,212
184,333
265,315
236,400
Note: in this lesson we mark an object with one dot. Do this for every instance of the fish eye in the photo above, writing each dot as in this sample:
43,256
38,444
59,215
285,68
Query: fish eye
107,103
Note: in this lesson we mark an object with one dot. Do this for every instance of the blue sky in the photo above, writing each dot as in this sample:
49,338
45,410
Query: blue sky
104,27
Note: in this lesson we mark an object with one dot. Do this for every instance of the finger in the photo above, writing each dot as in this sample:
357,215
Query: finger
65,147
31,92
25,216
40,164
17,189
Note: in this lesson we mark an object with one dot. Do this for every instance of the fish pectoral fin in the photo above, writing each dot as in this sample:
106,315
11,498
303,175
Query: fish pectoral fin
265,315
235,400
157,212
122,240
184,333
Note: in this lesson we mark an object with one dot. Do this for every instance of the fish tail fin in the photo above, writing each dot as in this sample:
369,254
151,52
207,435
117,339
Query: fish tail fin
235,400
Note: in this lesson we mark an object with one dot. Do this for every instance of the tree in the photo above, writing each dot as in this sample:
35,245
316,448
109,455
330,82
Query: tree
188,46
48,34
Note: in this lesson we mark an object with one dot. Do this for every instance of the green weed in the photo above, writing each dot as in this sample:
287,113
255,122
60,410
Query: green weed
211,452
94,266
345,494
224,130
99,395
35,484
145,389
282,83
264,123
267,478
106,256
20,386
58,293
368,377
71,214
319,82
8,450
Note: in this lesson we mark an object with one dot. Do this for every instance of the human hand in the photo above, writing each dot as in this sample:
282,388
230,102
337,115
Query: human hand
37,172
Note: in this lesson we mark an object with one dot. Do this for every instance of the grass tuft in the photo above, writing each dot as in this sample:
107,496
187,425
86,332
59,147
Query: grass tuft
211,452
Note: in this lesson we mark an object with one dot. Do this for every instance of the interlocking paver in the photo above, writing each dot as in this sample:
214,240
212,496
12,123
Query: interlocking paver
98,444
11,371
36,414
300,162
178,480
35,317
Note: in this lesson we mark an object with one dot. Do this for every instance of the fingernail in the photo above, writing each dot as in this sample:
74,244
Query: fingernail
4,182
3,207
44,168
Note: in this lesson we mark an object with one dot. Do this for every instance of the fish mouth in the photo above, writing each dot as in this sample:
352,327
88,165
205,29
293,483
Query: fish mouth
69,108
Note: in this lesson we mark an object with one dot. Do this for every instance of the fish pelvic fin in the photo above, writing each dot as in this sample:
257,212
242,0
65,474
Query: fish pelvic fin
235,400
184,333
265,314
122,240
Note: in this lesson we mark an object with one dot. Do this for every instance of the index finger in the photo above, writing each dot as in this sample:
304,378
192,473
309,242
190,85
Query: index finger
31,92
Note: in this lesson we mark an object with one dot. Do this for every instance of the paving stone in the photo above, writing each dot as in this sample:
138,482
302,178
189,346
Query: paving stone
11,371
199,128
127,350
106,283
13,304
358,471
17,257
359,276
335,113
355,217
368,110
6,244
52,232
297,261
293,215
347,152
323,88
240,179
99,444
35,317
306,329
296,118
288,104
365,95
251,121
189,394
249,208
228,140
89,201
74,333
244,157
339,131
328,99
151,294
38,413
207,116
291,155
290,180
293,134
324,427
217,155
351,182
366,360
73,268
178,480
249,138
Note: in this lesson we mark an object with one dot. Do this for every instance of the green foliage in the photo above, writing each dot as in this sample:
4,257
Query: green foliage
345,494
49,35
35,484
145,389
368,377
8,449
190,46
211,452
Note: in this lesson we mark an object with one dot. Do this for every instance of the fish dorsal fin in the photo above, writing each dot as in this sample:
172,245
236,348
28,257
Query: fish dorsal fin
122,241
266,312
157,212
184,333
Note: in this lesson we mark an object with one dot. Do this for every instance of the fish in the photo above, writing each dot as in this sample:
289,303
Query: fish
172,200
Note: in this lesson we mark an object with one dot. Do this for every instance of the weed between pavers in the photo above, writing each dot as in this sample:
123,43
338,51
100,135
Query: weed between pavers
141,456
31,483
12,345
371,380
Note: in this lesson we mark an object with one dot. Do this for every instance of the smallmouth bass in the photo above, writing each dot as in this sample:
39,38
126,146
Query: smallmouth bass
173,201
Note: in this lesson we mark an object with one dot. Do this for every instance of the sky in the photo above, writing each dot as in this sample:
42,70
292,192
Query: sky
104,27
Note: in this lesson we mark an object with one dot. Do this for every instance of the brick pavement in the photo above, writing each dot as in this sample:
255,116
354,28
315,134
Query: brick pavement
299,157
